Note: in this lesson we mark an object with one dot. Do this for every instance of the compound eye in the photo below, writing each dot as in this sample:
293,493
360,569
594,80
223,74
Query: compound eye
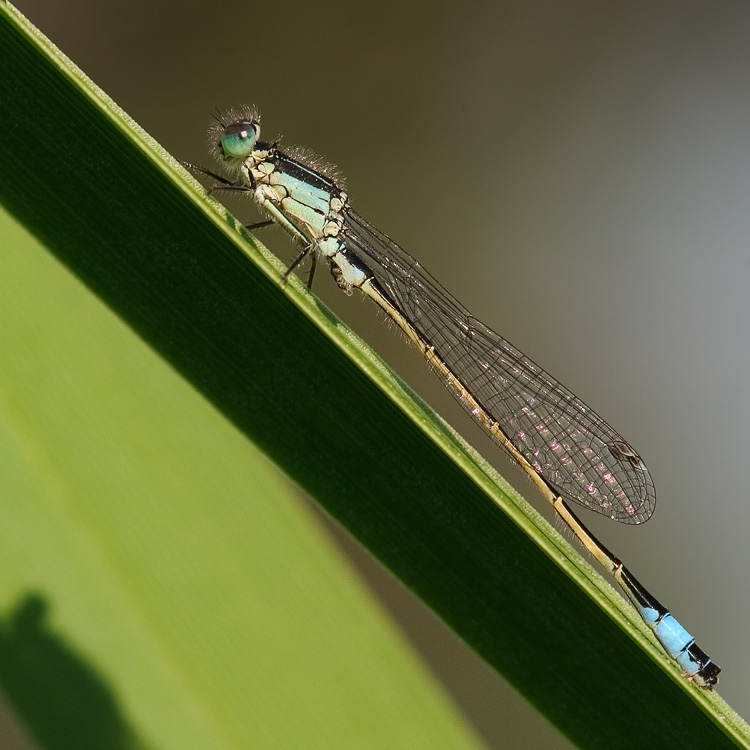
238,139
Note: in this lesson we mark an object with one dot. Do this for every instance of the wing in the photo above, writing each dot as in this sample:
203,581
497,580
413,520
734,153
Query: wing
571,447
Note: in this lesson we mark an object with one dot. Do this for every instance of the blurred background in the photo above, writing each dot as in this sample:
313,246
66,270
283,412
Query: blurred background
577,174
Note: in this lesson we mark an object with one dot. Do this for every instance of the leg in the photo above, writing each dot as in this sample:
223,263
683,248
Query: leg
259,224
195,169
296,262
311,274
222,182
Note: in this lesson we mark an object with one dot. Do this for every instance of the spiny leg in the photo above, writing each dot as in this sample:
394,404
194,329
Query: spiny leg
305,252
228,186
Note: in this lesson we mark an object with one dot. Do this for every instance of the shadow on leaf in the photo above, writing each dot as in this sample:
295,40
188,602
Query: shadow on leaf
57,695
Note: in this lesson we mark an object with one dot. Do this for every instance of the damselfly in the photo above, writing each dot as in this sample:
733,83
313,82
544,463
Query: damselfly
569,451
